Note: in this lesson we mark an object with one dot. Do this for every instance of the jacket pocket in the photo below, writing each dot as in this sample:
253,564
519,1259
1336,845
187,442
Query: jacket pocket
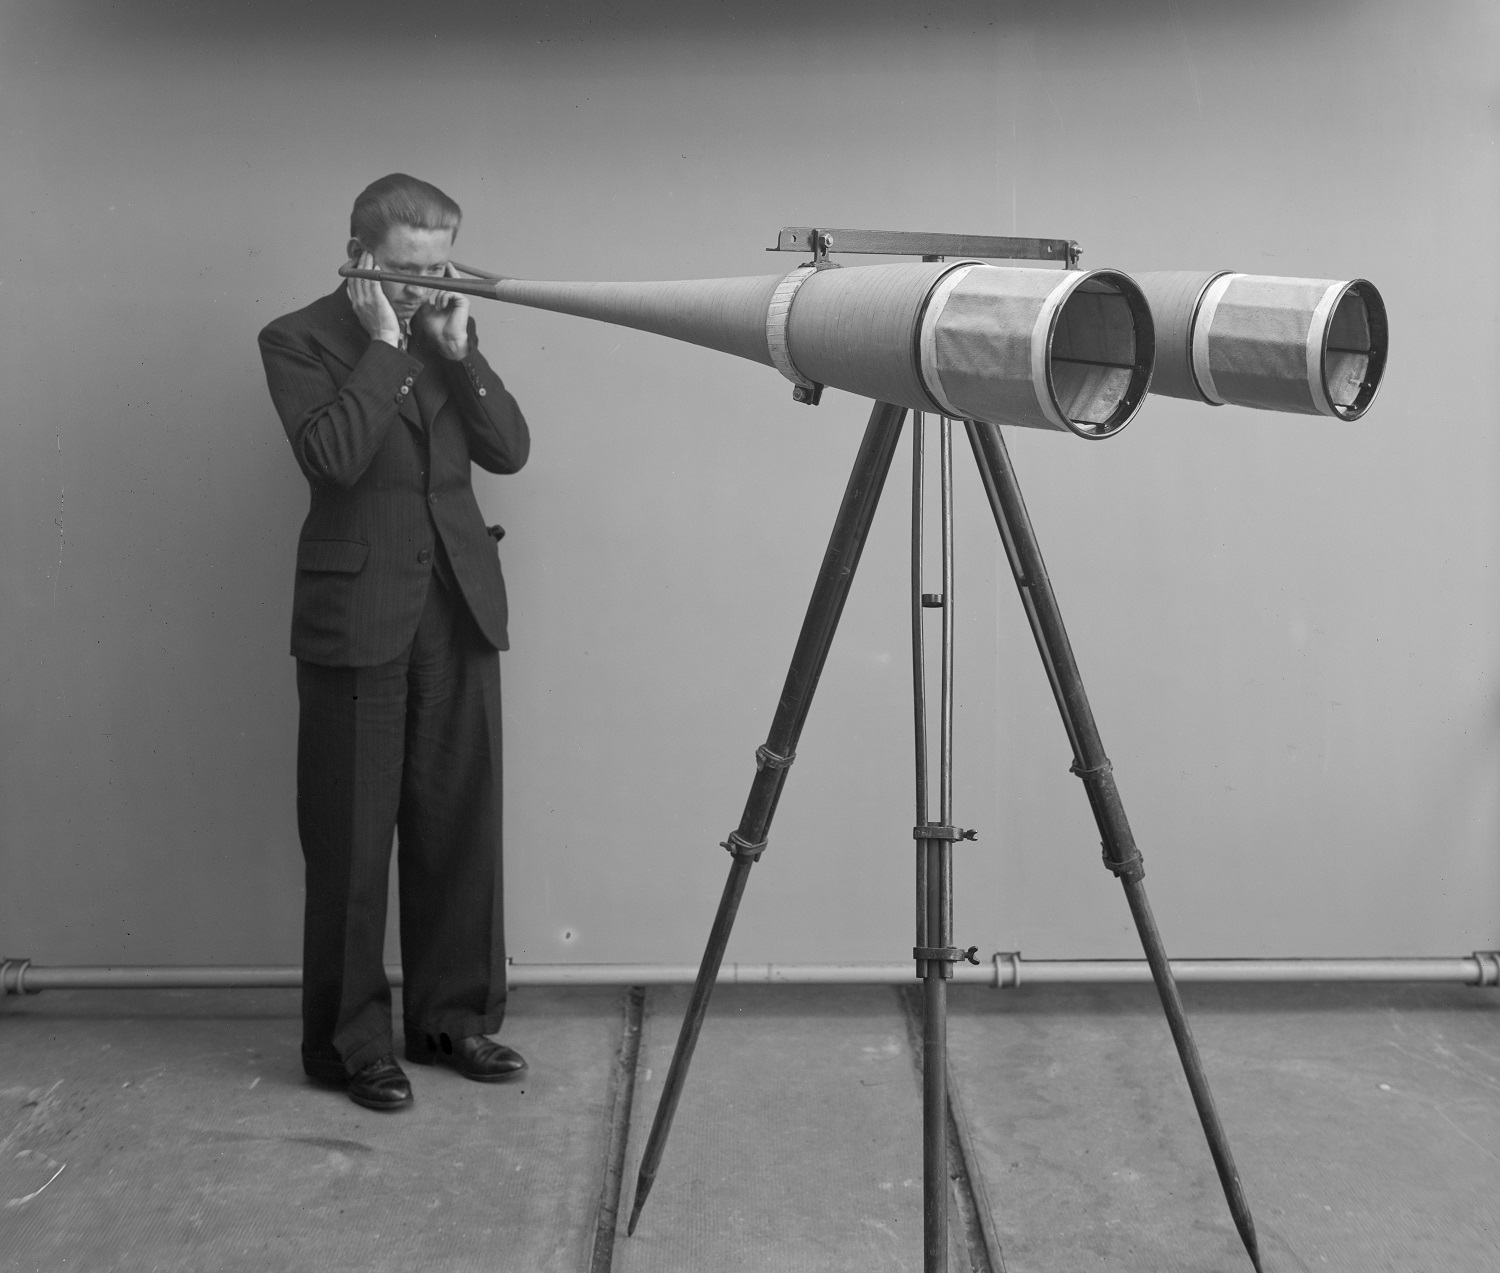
343,556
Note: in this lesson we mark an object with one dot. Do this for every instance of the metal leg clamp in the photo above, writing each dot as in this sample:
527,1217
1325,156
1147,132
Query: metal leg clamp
938,831
946,954
765,758
743,848
1128,871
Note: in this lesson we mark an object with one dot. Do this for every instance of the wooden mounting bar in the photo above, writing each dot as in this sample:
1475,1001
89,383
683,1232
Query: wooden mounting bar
805,238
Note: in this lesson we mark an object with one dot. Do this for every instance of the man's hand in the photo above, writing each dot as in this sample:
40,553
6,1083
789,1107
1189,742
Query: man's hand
445,318
371,306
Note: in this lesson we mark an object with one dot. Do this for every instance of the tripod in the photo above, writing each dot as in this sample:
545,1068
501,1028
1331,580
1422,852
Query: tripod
935,952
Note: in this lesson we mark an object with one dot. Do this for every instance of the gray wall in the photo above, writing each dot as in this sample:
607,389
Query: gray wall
1288,626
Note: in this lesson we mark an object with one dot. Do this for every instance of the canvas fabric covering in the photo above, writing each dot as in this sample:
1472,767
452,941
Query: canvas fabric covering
985,344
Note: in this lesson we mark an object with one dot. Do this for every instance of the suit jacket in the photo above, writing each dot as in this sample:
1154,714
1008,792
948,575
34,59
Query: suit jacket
385,438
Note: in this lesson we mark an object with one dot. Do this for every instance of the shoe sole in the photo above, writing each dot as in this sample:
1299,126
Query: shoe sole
432,1058
382,1107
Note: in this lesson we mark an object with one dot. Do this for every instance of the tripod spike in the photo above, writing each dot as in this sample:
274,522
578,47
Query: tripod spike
1091,765
845,545
687,1038
1192,1065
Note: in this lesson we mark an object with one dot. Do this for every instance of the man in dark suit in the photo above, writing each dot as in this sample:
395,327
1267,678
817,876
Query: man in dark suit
398,613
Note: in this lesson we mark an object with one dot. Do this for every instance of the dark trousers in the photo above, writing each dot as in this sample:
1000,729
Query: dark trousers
411,747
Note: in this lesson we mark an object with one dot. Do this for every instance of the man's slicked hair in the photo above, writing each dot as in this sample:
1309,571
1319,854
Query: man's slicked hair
400,200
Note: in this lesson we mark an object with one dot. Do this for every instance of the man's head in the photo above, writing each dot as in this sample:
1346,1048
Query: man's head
408,227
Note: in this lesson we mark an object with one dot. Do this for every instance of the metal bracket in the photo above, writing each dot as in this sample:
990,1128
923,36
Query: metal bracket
821,243
946,954
937,831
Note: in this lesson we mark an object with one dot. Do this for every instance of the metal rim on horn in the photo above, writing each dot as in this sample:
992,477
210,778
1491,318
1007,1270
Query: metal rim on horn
1140,368
1375,355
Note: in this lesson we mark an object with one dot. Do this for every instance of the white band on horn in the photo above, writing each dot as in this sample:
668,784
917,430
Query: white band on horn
777,314
927,340
1203,320
1041,347
1317,339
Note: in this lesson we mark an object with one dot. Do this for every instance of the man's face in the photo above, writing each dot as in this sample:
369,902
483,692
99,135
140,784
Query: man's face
408,250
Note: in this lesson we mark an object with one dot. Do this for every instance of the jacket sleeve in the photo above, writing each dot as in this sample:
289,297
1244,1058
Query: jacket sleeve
335,430
498,438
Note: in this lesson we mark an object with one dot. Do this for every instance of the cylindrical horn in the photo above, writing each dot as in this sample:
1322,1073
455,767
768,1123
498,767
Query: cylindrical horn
1071,350
1064,350
1315,346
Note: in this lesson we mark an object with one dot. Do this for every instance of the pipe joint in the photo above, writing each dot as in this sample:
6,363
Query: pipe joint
13,977
1488,962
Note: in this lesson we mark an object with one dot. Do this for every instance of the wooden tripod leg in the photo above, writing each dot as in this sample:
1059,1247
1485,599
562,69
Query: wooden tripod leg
1091,764
748,840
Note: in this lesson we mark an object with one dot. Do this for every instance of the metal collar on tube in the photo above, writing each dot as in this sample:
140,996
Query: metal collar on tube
927,337
777,314
1203,321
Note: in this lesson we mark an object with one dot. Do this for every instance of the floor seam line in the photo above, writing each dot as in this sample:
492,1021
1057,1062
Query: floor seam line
621,1100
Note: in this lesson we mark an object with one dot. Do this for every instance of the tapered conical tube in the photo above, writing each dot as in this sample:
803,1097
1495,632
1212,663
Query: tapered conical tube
1313,346
727,314
1064,350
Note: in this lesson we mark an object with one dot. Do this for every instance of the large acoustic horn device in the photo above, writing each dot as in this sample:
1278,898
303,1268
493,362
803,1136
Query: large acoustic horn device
1311,345
1068,350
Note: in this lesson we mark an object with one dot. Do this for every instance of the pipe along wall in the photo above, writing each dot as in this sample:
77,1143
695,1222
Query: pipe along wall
1003,970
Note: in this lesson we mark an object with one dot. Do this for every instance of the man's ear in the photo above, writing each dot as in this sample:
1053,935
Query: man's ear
356,249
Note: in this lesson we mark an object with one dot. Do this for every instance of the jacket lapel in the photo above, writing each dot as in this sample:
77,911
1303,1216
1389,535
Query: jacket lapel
432,384
338,331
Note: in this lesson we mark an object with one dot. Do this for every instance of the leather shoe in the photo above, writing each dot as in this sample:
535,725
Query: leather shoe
380,1085
475,1057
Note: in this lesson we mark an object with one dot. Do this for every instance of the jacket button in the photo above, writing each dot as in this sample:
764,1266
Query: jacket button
482,393
405,389
432,499
408,379
425,556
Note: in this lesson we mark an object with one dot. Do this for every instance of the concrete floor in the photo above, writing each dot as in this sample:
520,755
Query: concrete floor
172,1130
